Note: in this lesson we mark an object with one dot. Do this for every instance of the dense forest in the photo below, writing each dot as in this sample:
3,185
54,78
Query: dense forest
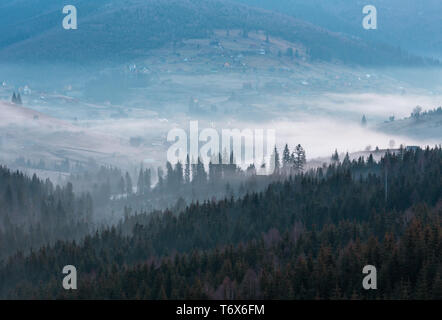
306,236
35,212
179,184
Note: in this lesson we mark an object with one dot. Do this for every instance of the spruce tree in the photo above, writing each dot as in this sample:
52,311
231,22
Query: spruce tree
140,184
147,181
364,121
300,159
187,170
335,157
286,158
129,186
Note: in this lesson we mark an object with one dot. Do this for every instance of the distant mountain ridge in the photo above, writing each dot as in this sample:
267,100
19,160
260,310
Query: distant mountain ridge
413,25
110,29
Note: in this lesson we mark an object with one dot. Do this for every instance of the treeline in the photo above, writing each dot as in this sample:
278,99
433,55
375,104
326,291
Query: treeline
16,98
306,237
61,166
176,185
35,212
417,113
102,182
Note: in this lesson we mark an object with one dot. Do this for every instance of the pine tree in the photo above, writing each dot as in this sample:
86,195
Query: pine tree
232,164
160,178
147,181
129,186
170,176
274,161
140,184
179,173
300,159
364,121
187,170
121,186
346,162
286,158
335,157
201,175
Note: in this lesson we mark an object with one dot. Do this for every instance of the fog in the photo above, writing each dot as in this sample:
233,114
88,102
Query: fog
120,114
320,123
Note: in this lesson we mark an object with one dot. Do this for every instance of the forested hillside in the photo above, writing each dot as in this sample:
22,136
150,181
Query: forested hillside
420,124
35,212
109,29
400,22
306,237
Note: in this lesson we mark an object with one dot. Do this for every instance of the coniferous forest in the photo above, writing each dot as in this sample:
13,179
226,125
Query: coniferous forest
306,235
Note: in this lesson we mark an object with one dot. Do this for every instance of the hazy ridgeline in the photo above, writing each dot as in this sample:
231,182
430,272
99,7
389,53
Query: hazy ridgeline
305,236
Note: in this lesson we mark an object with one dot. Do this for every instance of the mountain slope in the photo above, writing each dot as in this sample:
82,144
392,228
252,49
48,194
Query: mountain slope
425,125
413,25
123,30
31,134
